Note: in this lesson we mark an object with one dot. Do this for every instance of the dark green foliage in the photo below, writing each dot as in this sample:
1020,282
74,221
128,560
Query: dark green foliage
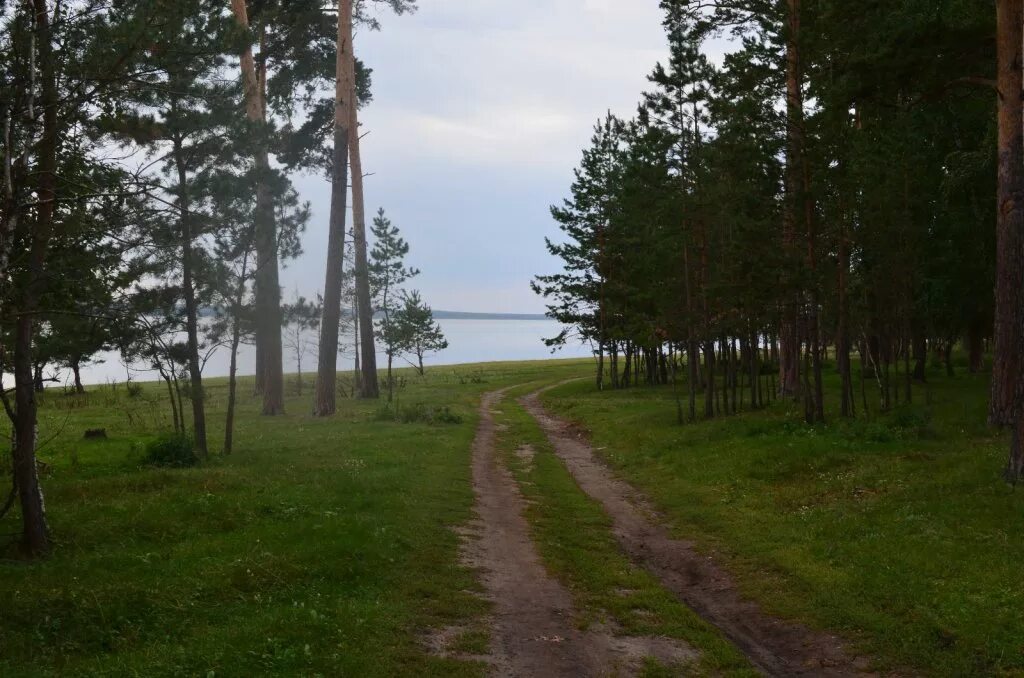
171,450
724,236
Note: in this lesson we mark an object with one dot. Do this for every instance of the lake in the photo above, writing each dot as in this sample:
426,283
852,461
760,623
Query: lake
470,341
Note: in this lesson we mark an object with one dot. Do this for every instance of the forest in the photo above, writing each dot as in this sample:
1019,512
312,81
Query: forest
148,207
796,269
804,179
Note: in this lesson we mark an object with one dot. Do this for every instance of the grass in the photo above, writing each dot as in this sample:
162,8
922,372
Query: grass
325,547
321,547
574,537
896,531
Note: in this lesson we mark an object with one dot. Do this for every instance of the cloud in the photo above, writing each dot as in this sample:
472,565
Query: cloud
481,110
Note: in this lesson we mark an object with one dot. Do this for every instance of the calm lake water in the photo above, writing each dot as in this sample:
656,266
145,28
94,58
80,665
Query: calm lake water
470,341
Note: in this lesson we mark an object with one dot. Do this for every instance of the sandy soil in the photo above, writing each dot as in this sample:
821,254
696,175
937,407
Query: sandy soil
534,629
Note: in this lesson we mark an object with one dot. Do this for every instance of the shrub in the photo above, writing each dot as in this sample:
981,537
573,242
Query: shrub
171,450
134,390
418,413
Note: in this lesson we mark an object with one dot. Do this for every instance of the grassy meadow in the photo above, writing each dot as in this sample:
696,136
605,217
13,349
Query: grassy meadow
325,547
321,547
896,531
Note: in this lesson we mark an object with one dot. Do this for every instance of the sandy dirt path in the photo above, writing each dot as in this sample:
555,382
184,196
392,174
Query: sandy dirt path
774,646
534,633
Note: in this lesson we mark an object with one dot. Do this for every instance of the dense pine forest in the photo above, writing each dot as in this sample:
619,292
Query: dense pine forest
806,179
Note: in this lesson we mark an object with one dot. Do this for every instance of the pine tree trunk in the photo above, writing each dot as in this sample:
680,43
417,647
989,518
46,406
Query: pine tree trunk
789,336
191,307
369,388
35,539
1007,384
357,374
843,330
975,349
391,381
236,339
174,404
325,404
76,369
269,349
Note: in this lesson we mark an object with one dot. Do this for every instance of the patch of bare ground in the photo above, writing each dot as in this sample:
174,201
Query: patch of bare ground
533,627
775,646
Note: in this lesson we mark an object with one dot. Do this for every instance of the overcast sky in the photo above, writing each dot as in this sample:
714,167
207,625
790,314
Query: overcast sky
481,111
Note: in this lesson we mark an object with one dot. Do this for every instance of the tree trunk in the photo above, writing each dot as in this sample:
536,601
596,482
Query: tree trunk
327,372
1009,310
975,350
391,381
35,540
76,369
357,374
195,372
369,388
236,338
789,336
920,357
269,350
174,403
843,330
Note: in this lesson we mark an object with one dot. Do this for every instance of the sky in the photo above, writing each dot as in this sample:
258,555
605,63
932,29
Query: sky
480,114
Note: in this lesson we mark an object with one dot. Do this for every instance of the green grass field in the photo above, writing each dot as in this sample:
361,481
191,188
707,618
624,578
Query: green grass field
325,547
896,531
320,547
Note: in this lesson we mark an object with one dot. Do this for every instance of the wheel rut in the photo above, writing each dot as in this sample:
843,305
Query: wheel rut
534,628
775,646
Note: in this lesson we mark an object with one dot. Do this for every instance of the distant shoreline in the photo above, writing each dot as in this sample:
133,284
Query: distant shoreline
464,315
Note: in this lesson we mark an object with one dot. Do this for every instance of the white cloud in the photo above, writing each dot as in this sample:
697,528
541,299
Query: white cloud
481,109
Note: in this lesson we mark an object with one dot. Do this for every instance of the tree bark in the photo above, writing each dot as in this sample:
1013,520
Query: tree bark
35,540
269,350
369,387
975,349
843,330
195,372
1009,309
789,336
327,373
76,369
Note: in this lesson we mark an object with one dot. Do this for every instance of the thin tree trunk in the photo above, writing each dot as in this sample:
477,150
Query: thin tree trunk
195,372
843,330
76,370
357,376
174,403
325,404
789,338
391,381
369,387
975,349
236,339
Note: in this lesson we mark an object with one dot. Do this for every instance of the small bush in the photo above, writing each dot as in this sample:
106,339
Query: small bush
135,390
418,413
171,450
